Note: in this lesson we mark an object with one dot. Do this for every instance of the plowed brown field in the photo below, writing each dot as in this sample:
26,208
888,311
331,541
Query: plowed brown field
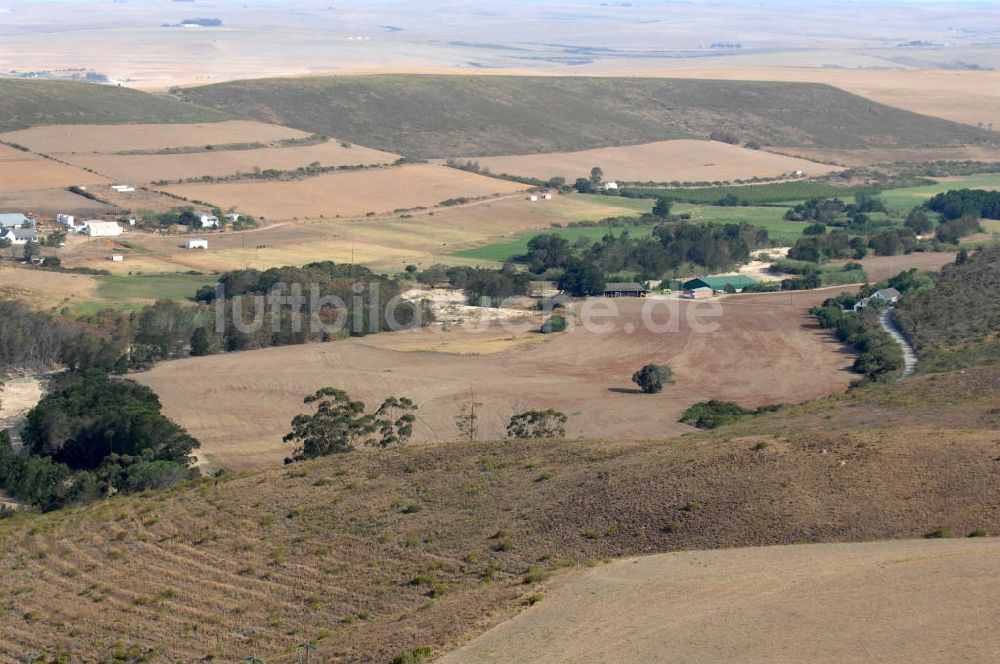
766,349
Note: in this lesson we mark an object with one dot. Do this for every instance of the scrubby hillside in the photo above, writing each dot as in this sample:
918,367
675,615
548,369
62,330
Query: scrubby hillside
26,103
957,323
375,554
440,116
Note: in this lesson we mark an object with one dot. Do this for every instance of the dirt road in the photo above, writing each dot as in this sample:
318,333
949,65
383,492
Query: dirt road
889,602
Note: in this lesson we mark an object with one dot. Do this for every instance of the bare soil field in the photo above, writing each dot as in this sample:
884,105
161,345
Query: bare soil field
883,267
220,163
46,290
67,139
663,161
766,349
348,194
375,553
872,156
23,171
384,243
801,603
49,202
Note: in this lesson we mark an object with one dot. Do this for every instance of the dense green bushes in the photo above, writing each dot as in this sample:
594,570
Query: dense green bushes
958,203
956,323
714,413
879,356
92,436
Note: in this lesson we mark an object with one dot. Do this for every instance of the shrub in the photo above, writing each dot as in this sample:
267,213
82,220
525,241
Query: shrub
535,574
652,377
537,424
415,656
555,323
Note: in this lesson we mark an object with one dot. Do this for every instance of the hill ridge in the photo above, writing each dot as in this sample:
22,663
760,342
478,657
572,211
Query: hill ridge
429,115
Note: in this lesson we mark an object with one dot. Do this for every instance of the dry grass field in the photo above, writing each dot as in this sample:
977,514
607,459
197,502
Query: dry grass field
23,171
799,603
109,138
872,156
373,554
49,202
348,194
663,161
46,290
384,243
220,163
767,349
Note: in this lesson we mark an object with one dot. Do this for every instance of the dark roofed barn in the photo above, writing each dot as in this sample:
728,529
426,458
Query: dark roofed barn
629,289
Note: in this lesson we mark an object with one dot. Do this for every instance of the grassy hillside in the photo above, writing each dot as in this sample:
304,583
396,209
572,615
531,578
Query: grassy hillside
380,553
439,116
26,103
957,323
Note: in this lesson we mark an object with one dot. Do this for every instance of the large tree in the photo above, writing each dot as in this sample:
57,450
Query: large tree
339,424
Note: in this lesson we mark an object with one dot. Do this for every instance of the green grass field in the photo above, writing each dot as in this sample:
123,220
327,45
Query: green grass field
129,290
770,218
909,197
505,251
755,194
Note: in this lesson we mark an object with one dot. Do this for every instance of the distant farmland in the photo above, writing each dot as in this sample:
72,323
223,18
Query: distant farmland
662,161
349,194
454,116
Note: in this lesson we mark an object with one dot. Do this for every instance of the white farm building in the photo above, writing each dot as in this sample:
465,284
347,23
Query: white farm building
207,219
96,228
197,243
67,220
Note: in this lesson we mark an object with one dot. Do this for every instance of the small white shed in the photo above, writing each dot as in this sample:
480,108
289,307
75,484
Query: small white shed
197,243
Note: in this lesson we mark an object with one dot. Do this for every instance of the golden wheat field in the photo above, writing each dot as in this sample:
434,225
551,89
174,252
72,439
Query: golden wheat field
663,161
348,194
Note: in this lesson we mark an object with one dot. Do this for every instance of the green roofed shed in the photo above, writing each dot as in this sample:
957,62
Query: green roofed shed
718,284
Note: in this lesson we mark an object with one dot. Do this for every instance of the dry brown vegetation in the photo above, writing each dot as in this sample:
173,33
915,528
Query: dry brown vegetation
428,545
664,161
767,349
349,194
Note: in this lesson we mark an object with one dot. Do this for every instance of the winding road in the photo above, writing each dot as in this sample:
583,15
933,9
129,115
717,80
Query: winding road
909,354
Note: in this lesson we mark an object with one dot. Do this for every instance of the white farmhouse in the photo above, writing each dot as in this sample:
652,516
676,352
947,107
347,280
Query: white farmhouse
97,228
67,220
547,197
197,243
20,236
610,186
207,219
532,198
